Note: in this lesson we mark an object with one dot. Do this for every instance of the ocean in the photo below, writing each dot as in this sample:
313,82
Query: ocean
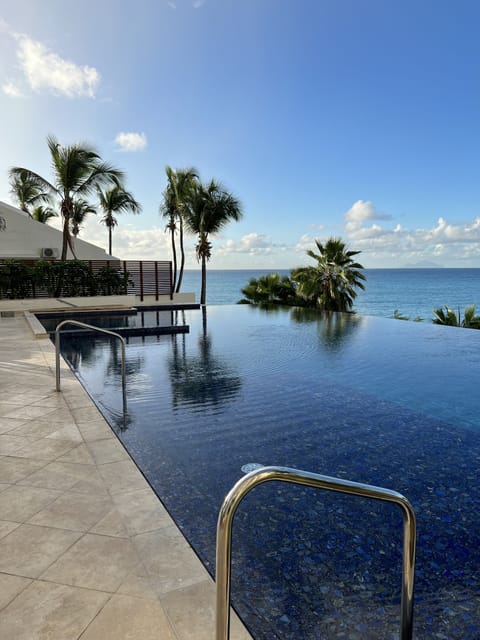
413,292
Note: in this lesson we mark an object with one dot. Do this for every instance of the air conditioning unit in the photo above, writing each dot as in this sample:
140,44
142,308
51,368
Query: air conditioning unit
49,252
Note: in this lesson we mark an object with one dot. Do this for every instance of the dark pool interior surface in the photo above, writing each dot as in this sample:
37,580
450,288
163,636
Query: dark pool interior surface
373,400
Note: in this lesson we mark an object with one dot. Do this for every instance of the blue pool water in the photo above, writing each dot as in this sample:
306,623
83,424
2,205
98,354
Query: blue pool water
369,399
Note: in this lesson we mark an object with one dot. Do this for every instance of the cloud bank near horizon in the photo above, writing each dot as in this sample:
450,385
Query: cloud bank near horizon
444,244
452,243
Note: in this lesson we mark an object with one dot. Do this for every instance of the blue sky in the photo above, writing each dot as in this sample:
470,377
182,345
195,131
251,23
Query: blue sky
355,118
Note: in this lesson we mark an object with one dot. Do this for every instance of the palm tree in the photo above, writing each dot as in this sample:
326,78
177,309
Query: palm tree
77,171
43,214
27,191
175,200
116,200
331,283
210,208
397,315
80,210
271,288
453,319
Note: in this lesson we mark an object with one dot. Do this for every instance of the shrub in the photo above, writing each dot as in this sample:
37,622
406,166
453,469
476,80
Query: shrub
76,279
16,280
46,276
68,278
110,281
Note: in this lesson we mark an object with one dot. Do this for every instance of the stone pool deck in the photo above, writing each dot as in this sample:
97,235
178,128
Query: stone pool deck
86,548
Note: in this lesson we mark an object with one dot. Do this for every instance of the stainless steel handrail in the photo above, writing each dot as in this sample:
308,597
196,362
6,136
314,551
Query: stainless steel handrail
92,328
295,476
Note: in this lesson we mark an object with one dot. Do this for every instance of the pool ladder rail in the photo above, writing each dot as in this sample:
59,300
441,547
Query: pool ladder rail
91,327
295,476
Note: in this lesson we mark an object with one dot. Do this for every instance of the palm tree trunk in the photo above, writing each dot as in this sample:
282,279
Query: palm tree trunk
182,257
70,244
203,293
66,223
109,241
174,257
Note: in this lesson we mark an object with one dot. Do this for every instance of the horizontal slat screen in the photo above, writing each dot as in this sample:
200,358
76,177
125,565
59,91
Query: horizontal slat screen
147,277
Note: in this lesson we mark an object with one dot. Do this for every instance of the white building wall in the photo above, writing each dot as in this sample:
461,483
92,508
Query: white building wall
25,238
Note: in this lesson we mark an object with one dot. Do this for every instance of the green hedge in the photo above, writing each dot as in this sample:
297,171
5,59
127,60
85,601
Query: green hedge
55,279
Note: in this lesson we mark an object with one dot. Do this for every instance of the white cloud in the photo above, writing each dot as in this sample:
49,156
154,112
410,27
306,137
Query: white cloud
383,245
458,233
12,90
361,211
251,244
45,70
445,243
131,141
305,242
453,243
196,4
128,243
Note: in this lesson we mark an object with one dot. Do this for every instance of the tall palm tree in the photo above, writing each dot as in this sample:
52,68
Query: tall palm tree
26,191
175,200
331,283
210,208
77,171
81,208
43,214
116,200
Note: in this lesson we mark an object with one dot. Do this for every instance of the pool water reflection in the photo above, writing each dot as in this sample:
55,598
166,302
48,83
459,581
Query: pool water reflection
377,401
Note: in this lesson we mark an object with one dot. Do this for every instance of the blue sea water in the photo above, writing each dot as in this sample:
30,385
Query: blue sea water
414,292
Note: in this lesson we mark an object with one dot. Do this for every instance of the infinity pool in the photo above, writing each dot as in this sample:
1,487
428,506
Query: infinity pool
372,400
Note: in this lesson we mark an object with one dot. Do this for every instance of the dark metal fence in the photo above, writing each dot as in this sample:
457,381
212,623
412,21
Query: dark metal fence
149,277
145,277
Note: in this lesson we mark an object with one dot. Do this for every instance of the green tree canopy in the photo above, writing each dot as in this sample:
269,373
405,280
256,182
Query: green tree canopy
176,197
331,283
447,316
43,214
211,207
77,172
116,200
81,208
271,288
27,192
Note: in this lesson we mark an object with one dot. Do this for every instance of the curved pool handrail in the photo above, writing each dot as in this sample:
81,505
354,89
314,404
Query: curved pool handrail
296,476
83,325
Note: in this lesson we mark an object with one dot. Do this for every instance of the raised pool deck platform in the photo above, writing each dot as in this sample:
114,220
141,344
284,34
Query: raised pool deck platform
94,302
86,548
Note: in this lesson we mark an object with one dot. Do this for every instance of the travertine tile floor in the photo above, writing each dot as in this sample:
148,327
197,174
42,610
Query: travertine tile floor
86,548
